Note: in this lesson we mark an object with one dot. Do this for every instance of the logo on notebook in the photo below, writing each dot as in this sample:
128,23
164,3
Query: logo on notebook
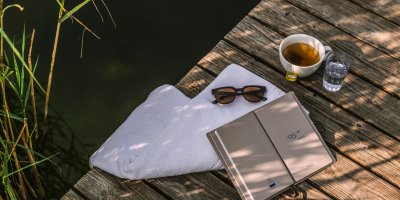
295,135
271,183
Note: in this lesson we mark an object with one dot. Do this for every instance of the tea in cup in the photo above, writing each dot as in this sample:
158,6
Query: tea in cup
301,55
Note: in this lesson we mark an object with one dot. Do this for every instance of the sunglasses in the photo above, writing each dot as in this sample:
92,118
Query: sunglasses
252,93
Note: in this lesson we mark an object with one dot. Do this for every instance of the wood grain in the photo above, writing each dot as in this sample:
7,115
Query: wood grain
368,62
355,123
357,96
357,21
202,79
388,9
71,195
302,191
97,184
347,180
195,186
360,141
194,82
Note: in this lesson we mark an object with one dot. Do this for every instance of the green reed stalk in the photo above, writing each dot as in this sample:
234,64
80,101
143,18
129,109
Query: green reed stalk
53,59
18,119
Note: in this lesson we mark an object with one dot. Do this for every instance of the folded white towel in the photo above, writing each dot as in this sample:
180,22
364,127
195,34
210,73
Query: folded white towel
166,135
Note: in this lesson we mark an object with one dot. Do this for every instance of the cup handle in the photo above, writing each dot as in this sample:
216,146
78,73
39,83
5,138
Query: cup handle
328,50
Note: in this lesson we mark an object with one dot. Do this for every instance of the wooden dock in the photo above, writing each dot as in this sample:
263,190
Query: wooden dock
360,123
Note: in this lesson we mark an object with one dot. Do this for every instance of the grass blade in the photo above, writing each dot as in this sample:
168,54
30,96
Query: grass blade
27,166
26,96
10,83
5,58
6,182
23,44
77,20
16,52
2,113
76,8
28,149
17,72
36,62
10,6
22,70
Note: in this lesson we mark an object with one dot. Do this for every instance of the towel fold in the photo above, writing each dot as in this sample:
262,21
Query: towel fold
166,135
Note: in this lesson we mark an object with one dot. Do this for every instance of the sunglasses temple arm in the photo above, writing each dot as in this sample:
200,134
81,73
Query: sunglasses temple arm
259,96
262,97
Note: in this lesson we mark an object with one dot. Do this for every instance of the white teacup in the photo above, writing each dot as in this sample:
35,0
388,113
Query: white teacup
302,71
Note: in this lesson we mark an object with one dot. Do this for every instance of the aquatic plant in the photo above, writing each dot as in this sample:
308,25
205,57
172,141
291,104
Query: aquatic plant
24,118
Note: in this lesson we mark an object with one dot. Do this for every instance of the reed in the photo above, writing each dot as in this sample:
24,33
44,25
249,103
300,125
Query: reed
23,130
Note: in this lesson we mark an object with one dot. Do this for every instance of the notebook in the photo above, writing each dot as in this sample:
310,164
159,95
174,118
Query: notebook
271,149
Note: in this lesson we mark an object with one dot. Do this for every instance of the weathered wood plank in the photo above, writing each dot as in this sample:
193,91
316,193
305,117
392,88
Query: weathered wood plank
302,191
347,180
388,9
71,195
358,96
306,191
357,21
196,80
97,184
195,186
192,186
359,141
368,62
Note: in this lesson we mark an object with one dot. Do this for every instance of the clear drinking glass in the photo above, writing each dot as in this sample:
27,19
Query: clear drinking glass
337,66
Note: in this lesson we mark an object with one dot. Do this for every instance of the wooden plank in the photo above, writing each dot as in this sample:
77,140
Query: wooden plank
388,9
201,185
368,62
71,195
97,184
347,180
195,186
302,191
357,21
355,138
358,96
306,191
358,141
196,80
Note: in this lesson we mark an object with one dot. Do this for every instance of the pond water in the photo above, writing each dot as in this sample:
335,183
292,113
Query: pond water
155,42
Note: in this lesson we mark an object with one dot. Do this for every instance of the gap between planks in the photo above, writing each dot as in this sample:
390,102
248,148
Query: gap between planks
198,76
389,10
377,111
360,26
354,170
369,131
213,57
368,62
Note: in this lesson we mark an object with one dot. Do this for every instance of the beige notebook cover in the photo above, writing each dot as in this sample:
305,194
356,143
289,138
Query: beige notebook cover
270,149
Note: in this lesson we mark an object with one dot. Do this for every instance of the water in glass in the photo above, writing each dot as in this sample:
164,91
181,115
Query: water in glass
336,69
334,76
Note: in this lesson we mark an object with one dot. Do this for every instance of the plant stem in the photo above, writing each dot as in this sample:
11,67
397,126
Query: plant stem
35,121
53,59
32,160
1,39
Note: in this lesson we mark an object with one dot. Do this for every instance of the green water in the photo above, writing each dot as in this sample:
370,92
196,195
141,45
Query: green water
155,42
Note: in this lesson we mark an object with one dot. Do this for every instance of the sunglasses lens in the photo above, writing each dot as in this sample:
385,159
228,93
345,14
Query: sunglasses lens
253,94
225,95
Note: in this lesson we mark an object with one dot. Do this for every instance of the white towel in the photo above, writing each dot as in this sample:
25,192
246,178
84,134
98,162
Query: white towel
166,135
